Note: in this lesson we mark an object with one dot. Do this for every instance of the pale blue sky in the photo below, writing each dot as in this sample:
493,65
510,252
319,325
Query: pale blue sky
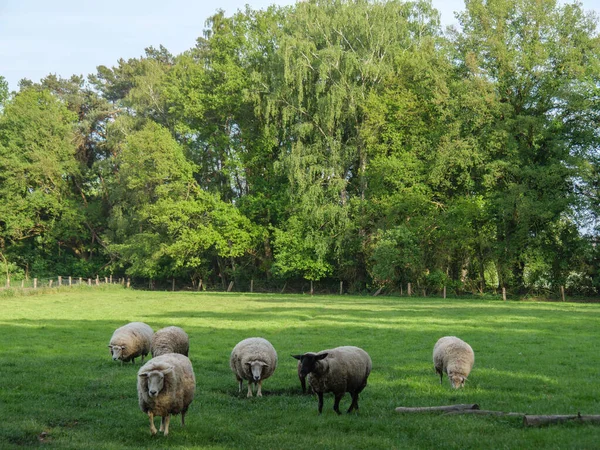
67,37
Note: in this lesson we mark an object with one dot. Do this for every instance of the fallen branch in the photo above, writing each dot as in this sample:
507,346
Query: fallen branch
540,421
486,412
448,408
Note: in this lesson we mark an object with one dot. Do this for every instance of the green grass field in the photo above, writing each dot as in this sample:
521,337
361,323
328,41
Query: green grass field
59,388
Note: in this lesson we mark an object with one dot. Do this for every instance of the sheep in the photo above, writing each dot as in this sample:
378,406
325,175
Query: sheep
166,385
455,357
170,340
302,378
253,359
338,370
131,341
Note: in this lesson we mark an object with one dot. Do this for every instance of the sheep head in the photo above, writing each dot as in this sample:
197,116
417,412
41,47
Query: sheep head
117,351
156,380
457,380
256,368
309,362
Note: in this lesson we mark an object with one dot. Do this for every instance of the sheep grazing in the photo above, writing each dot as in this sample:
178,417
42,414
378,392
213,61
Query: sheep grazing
130,341
170,340
455,357
255,360
166,385
302,378
338,370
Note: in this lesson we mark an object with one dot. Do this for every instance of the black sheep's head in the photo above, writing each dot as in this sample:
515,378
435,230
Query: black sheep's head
309,361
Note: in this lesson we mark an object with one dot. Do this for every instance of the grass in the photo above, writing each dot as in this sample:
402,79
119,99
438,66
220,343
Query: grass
60,389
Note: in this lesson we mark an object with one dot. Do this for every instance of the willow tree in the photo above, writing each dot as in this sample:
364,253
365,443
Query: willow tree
330,56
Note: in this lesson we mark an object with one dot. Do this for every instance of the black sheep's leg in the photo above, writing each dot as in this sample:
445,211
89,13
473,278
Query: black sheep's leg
320,395
354,404
336,404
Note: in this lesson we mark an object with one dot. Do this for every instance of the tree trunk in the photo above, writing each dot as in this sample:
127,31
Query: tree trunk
448,408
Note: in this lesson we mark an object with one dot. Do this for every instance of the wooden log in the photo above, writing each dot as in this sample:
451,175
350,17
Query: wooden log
230,287
540,421
447,408
486,412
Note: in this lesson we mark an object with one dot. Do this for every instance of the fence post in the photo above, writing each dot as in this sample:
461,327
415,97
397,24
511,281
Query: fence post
251,286
503,293
97,280
409,290
341,287
562,293
105,280
128,282
35,283
200,284
312,290
50,284
80,281
89,281
70,282
444,291
230,287
22,284
59,281
173,287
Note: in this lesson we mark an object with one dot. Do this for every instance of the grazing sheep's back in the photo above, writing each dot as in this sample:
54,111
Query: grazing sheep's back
132,340
253,349
170,340
454,357
179,385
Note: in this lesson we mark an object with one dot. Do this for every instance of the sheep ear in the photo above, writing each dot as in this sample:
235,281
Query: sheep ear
264,364
110,346
167,370
143,375
320,357
298,357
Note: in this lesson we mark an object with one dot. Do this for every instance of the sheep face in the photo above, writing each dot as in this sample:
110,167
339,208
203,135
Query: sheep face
256,368
156,380
457,381
117,351
308,362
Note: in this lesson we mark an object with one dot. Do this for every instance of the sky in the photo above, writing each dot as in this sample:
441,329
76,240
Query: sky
73,37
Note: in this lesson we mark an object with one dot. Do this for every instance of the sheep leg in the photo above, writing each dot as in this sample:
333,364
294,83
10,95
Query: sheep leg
320,394
183,418
336,403
354,404
303,383
249,389
259,392
152,427
241,383
167,419
162,424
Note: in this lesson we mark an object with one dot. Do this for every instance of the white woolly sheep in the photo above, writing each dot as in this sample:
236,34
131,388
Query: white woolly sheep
338,370
166,385
130,341
455,357
170,340
255,360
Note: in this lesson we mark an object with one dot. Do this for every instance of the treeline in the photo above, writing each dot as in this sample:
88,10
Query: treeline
333,140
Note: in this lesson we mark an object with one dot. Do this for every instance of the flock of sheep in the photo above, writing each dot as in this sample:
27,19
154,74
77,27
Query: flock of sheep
166,384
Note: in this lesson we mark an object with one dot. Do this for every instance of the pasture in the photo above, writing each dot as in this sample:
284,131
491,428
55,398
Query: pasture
60,389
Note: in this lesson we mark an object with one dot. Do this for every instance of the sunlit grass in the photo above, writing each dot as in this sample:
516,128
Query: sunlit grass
60,388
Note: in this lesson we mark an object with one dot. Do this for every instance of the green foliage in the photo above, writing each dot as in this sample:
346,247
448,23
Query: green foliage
334,140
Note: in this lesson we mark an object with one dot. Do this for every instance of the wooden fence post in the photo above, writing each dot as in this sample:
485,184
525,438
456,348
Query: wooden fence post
80,281
128,282
70,282
444,291
200,285
89,281
251,286
22,284
230,287
35,283
173,286
341,287
312,291
97,280
50,284
503,293
401,291
59,281
562,293
409,289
